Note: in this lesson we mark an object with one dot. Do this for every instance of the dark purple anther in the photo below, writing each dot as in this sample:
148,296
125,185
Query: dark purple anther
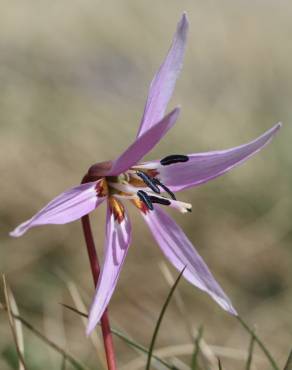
163,201
144,197
165,188
174,158
148,181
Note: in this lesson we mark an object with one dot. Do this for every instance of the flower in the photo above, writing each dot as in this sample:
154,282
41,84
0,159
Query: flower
149,186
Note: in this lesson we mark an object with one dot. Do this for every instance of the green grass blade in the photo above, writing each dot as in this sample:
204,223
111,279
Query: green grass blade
259,342
194,365
288,365
250,352
126,339
63,364
161,315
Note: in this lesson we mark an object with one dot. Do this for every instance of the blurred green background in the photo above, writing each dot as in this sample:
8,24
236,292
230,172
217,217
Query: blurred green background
74,77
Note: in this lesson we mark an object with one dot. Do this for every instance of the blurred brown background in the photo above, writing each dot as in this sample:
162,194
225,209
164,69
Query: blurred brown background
74,77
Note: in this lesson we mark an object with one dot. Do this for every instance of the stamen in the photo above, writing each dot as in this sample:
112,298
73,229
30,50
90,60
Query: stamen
148,181
163,201
165,188
145,198
174,158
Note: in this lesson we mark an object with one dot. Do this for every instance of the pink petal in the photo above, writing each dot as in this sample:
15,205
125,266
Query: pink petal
118,238
180,252
203,167
68,206
163,84
143,144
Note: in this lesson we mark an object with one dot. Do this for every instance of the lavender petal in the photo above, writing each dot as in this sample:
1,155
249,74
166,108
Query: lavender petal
143,144
118,238
180,252
163,83
203,167
67,207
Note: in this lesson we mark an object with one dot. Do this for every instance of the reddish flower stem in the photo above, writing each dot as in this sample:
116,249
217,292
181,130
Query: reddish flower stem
95,269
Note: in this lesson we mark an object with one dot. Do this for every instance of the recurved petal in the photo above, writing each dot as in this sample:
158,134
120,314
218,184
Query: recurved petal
68,206
203,167
118,238
181,253
163,83
143,144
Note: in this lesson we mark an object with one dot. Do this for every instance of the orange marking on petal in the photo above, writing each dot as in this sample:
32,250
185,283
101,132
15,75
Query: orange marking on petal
140,205
137,182
117,209
102,188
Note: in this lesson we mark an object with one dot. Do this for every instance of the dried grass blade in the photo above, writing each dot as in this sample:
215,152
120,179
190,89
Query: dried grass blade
179,364
18,327
16,330
194,363
75,363
126,339
95,339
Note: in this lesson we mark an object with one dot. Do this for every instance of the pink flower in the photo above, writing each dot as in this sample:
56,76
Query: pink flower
149,186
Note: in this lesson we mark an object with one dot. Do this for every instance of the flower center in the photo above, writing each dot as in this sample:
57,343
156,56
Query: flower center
142,185
144,189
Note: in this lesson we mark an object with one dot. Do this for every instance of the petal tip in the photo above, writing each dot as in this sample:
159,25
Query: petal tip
14,234
173,115
89,330
225,303
92,322
20,229
183,24
177,109
184,19
273,131
232,311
